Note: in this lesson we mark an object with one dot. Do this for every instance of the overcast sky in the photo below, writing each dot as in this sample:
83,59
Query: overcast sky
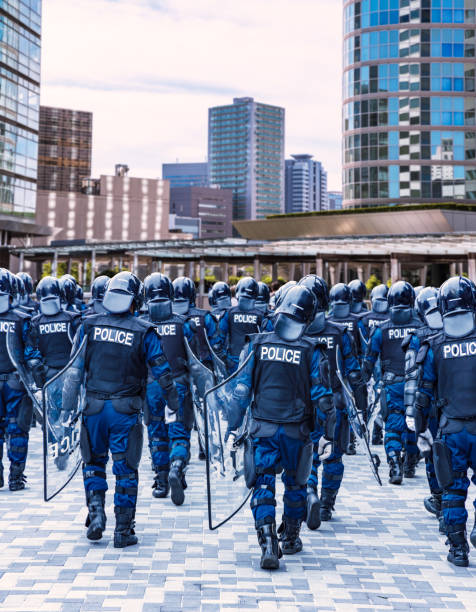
150,69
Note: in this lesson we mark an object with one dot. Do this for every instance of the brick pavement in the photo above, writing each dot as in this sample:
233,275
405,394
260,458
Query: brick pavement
381,552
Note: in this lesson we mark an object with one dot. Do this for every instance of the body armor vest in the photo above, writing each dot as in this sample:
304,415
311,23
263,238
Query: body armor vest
53,336
11,322
351,323
331,337
172,340
371,319
282,379
197,315
392,355
240,325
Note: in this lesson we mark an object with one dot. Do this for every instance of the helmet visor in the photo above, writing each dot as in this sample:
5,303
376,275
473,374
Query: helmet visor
459,323
380,306
246,303
288,328
433,319
117,302
50,306
340,311
4,302
400,315
181,306
223,302
318,324
261,307
159,310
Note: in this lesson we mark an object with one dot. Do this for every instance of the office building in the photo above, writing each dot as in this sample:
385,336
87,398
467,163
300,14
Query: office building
409,102
305,185
65,145
246,155
212,207
186,175
115,207
335,200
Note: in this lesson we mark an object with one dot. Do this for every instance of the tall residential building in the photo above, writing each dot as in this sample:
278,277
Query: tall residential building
20,53
335,200
211,206
246,155
409,102
305,185
65,146
186,175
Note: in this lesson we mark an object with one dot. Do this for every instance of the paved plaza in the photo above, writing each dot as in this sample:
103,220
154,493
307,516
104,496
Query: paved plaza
382,551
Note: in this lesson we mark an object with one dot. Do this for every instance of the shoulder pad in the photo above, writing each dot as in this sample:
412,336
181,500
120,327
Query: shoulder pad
35,318
22,315
340,327
420,358
406,342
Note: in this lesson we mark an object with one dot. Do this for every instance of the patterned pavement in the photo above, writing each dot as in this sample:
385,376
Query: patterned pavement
382,552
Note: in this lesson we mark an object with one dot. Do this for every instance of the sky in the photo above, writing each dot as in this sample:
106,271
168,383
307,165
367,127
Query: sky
150,69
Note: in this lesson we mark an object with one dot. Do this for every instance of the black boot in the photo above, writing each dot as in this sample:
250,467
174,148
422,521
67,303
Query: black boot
16,479
290,541
177,482
124,534
395,463
377,435
351,446
313,517
472,537
96,520
459,548
161,483
328,498
410,464
433,504
270,550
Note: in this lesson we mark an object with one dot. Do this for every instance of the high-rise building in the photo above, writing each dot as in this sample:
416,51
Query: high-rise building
186,175
211,206
246,155
20,56
305,185
409,102
335,200
65,145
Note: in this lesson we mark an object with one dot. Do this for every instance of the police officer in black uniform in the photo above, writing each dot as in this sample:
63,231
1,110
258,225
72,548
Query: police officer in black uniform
98,291
219,298
358,291
68,293
262,301
28,301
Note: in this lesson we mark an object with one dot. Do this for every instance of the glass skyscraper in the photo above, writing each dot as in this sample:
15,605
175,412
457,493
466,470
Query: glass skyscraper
246,155
409,102
20,36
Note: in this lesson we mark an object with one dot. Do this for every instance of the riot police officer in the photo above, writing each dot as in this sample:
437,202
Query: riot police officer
386,342
68,293
98,290
332,336
449,365
262,301
169,434
219,298
421,414
27,299
287,378
119,348
358,291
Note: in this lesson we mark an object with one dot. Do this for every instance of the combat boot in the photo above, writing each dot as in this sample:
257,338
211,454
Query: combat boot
395,463
328,498
459,548
124,534
177,482
161,483
270,549
96,519
351,446
290,541
377,436
410,464
313,503
472,537
16,478
433,504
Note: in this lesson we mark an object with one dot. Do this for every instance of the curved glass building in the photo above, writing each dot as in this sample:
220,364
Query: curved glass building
409,102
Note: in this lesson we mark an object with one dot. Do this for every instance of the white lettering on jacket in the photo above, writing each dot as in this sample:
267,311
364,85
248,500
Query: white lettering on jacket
273,353
168,329
328,340
348,324
373,322
459,349
245,318
400,333
7,326
118,336
196,320
53,328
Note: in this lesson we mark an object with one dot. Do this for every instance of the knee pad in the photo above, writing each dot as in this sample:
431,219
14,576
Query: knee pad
135,443
303,470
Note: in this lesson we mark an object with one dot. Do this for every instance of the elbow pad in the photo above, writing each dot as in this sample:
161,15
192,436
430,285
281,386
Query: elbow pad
326,406
38,371
166,381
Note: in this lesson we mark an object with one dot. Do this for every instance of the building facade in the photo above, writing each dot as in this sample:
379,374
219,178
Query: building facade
212,207
186,175
111,208
246,155
409,102
305,185
335,200
65,146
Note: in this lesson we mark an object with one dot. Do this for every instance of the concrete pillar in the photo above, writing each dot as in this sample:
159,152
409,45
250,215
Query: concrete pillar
385,273
22,261
338,273
135,264
69,265
257,270
274,272
394,269
292,271
472,267
93,265
423,272
346,272
54,265
306,268
201,289
460,268
360,273
368,272
332,274
84,270
320,267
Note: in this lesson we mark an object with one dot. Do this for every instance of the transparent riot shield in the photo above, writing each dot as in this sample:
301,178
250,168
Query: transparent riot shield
357,423
15,352
226,487
201,380
219,368
63,402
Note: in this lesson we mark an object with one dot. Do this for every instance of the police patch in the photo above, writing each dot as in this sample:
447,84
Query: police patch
118,336
279,353
400,333
245,318
7,326
456,350
53,328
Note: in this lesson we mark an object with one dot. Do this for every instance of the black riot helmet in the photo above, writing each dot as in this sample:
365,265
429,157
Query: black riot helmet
184,294
219,296
262,300
98,291
295,312
281,292
27,282
401,299
123,290
359,292
21,289
159,295
319,288
48,293
340,298
378,299
426,305
79,293
68,289
6,290
246,293
456,304
417,290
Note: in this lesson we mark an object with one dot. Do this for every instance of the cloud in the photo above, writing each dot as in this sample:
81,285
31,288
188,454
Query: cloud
149,70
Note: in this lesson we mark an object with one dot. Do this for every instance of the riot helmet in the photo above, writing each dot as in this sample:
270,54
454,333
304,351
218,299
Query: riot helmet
21,291
219,296
262,301
378,299
401,299
28,284
123,290
246,293
79,293
6,290
48,293
340,298
98,290
281,292
159,295
295,312
418,289
68,289
184,294
358,291
319,288
426,305
456,304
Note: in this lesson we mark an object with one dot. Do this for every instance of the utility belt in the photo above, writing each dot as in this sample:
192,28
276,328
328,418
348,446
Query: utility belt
113,396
